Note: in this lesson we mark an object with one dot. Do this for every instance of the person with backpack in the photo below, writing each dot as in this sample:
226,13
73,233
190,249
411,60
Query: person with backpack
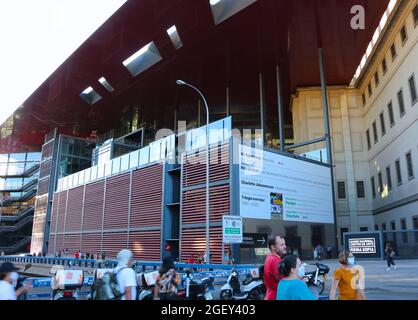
125,275
390,256
167,281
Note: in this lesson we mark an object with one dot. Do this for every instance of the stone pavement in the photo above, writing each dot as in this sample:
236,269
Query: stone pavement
400,284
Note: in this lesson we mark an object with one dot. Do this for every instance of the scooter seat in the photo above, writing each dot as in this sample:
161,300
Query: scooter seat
247,281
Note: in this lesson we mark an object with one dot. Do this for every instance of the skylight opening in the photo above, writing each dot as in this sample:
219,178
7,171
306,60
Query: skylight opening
143,59
90,96
175,37
374,41
106,84
224,9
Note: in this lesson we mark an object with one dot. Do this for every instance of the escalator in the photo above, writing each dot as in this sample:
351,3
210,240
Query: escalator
20,246
24,197
20,215
18,226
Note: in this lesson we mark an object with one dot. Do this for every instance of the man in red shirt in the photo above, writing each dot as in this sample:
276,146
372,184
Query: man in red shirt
277,246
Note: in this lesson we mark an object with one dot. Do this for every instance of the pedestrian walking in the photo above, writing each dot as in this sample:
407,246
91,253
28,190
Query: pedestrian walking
8,282
390,257
292,287
319,251
329,251
167,281
125,275
315,254
348,279
272,276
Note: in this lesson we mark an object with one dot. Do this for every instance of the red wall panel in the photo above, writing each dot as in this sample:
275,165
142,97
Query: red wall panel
74,210
194,168
146,245
113,243
62,206
194,204
51,246
93,206
91,242
72,243
54,213
193,242
147,193
117,202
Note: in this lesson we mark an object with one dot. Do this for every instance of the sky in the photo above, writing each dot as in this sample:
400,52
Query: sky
36,37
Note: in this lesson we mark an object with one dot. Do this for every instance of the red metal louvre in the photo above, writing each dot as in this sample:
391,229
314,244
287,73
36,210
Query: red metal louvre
74,210
147,193
72,243
91,243
193,242
146,245
113,243
54,213
43,186
62,206
51,246
93,206
47,150
194,205
194,168
59,238
45,169
117,202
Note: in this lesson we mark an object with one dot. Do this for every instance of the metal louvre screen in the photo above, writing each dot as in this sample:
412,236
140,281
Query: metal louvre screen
91,242
194,168
72,243
193,242
54,213
117,202
93,206
147,193
62,208
193,210
113,243
51,247
146,245
74,210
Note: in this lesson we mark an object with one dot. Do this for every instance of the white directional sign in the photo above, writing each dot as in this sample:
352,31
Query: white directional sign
232,229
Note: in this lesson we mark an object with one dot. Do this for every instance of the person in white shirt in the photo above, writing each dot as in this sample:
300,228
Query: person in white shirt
125,275
8,282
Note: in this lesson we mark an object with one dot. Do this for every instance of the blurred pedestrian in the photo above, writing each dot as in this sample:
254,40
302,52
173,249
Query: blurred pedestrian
8,282
272,276
167,282
348,279
292,287
390,256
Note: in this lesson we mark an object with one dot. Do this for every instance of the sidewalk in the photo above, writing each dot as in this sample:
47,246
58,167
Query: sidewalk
400,284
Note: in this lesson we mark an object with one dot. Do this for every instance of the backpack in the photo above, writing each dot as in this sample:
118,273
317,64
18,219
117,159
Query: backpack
107,287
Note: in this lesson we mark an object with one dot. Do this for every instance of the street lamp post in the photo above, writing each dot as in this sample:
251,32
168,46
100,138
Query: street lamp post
182,83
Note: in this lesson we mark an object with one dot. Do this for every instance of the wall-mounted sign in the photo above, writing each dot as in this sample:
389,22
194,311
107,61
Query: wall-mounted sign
274,186
364,245
232,229
254,240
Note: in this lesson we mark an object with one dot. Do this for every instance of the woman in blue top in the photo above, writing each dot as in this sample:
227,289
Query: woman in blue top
292,287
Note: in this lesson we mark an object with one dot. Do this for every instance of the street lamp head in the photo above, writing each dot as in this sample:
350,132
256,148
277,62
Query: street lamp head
180,82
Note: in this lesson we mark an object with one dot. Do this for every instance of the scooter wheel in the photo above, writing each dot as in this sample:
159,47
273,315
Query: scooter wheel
254,295
226,295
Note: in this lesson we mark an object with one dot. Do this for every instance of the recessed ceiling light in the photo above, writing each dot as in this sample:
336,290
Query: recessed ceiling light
90,96
106,84
143,59
175,37
224,9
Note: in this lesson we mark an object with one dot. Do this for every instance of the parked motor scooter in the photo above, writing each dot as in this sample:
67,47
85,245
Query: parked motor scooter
235,289
197,289
65,283
146,285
